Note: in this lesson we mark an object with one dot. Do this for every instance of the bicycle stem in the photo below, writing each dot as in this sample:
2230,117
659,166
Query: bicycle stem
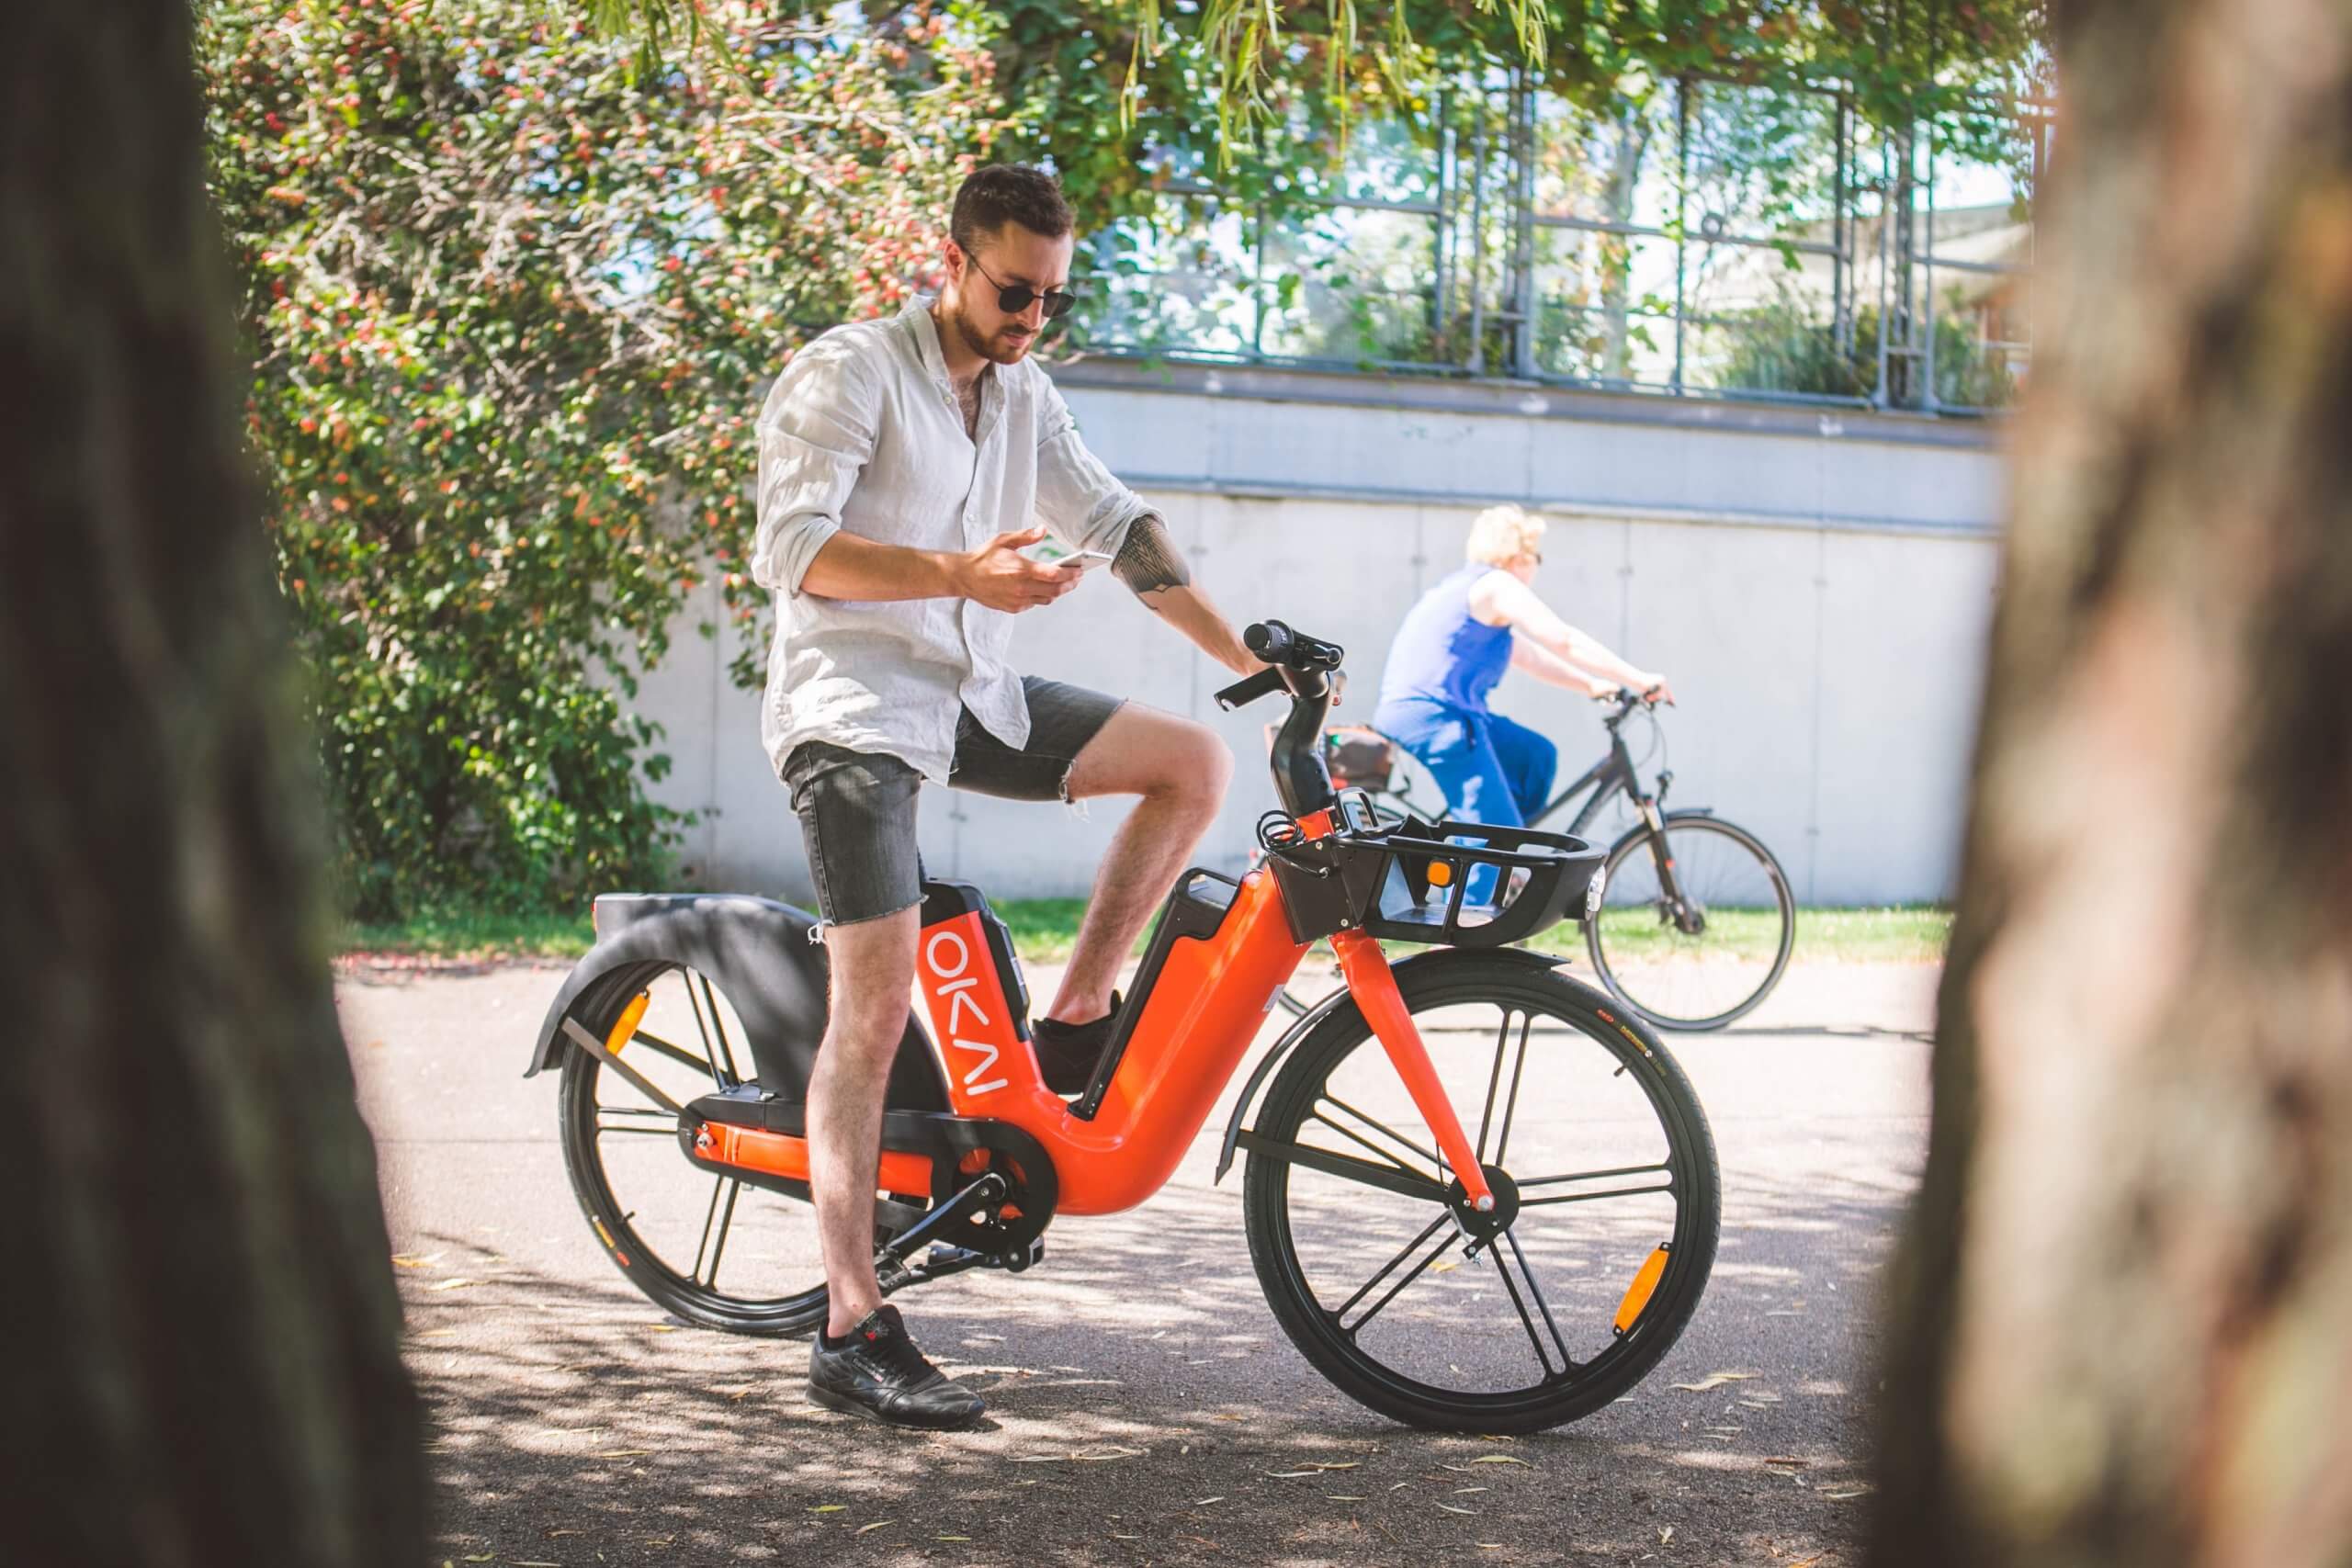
1373,986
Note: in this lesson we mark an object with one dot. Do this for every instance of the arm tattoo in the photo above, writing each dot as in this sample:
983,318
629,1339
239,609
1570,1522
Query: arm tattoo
1148,560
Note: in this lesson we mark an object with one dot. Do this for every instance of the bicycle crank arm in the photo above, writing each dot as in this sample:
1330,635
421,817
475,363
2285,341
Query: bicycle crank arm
945,1260
973,1202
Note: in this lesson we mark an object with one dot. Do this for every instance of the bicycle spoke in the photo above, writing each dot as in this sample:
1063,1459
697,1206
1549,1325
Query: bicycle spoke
1567,1362
1353,1136
1435,1159
640,1119
710,1053
1519,1066
1352,1330
718,1027
677,1054
1596,1197
725,1220
1494,1081
1381,1272
717,1219
1662,1168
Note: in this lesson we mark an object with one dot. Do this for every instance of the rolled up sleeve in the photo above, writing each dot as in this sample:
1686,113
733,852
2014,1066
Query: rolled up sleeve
1078,500
817,433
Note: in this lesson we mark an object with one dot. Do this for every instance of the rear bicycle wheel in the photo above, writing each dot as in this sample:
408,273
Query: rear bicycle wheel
1709,952
710,1248
1594,1258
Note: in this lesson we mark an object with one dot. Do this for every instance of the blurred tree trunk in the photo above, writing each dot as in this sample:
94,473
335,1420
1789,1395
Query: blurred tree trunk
2122,1315
199,1321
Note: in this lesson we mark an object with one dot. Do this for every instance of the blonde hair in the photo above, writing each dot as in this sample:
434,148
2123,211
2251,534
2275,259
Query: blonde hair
1501,534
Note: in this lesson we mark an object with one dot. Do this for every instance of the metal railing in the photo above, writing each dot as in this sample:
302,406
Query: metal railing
1705,239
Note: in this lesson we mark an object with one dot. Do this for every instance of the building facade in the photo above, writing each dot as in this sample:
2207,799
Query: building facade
1817,582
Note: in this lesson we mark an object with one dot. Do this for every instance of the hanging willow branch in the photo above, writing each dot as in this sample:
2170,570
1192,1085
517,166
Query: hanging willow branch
1245,40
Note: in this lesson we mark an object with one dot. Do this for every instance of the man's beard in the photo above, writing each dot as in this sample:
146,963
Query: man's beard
996,350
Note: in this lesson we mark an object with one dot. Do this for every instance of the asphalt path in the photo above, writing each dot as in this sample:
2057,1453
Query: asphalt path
1144,1406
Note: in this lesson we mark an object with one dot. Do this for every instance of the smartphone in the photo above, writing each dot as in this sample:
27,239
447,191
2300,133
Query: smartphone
1044,552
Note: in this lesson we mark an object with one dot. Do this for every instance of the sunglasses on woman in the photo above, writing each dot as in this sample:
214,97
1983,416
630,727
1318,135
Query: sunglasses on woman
1014,299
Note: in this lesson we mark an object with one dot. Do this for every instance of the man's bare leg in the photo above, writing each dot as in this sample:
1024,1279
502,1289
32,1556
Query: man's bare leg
873,967
1181,769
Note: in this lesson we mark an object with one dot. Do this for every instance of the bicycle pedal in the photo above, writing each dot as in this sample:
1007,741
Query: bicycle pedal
1025,1258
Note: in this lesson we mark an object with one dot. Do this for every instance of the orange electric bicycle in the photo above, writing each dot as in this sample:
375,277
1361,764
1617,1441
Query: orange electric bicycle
1479,1195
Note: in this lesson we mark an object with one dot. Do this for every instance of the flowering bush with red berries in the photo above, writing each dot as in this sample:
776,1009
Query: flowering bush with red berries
512,308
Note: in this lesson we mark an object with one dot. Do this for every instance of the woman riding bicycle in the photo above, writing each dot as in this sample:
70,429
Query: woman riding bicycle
1453,647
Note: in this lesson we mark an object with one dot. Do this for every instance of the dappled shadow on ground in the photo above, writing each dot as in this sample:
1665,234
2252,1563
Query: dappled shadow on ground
1144,1408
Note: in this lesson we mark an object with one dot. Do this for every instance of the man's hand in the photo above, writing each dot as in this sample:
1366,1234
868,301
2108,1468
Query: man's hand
1655,690
1602,690
998,576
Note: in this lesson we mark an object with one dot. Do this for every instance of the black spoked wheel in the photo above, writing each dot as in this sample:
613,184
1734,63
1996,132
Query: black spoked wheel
1592,1263
710,1248
1696,928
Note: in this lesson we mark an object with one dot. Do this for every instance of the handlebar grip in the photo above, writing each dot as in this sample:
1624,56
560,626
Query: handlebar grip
1270,641
1278,643
1242,693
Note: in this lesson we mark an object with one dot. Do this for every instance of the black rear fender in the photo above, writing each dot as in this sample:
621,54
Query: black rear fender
758,954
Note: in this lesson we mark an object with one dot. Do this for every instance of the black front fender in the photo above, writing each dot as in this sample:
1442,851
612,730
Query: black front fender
758,954
1325,1008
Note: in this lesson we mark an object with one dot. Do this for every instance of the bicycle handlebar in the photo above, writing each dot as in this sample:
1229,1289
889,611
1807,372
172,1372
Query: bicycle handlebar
1241,694
1307,669
1277,644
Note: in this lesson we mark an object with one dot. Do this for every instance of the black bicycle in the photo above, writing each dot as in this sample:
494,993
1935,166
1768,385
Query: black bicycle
1697,922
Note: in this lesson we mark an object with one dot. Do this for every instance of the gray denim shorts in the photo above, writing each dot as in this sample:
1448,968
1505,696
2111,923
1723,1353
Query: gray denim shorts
857,808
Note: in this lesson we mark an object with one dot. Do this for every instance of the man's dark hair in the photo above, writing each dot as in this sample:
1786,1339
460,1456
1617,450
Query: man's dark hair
1007,192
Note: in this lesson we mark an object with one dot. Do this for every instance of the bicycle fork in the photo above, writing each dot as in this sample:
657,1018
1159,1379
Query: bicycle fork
1373,986
1669,881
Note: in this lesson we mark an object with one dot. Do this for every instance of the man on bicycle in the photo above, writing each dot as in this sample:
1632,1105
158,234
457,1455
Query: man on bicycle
905,466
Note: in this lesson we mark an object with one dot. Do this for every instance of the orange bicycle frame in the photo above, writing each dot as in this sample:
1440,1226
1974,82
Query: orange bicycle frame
1202,1012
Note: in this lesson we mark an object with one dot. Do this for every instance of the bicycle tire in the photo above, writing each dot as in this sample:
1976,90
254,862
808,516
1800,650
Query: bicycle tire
1649,998
1608,1049
620,1225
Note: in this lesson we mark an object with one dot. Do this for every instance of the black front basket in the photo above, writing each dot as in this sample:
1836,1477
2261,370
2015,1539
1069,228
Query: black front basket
1539,879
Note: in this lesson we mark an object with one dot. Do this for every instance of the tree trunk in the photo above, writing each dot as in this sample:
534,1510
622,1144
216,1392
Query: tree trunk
201,1330
2122,1315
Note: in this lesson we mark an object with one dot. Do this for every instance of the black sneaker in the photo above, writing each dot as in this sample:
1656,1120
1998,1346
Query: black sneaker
874,1370
1067,1053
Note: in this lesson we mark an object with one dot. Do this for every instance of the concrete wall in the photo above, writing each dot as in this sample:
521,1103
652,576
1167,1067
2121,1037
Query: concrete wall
1818,588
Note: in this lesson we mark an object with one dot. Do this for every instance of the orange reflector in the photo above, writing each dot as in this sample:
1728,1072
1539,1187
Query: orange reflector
1441,873
631,1016
1637,1295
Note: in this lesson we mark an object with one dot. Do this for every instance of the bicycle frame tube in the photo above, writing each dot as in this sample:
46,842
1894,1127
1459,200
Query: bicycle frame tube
1604,778
1196,1025
1198,1022
1373,986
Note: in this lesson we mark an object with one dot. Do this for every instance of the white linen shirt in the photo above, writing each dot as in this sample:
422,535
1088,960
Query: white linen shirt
862,432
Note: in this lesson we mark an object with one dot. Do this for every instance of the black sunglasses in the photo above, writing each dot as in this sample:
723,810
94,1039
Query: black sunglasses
1014,300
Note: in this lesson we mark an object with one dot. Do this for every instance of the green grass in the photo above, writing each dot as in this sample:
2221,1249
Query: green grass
1044,929
1909,934
472,936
